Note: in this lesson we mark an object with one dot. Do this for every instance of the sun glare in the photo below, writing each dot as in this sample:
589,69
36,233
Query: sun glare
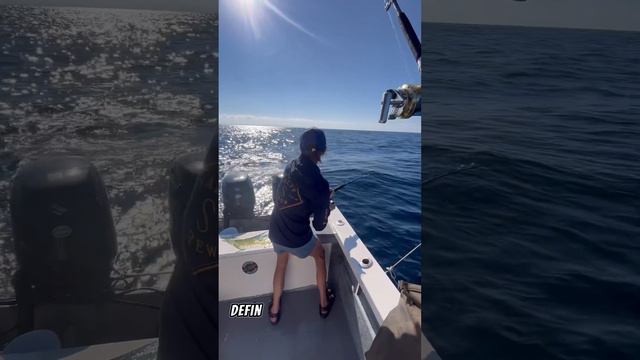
249,11
247,4
252,10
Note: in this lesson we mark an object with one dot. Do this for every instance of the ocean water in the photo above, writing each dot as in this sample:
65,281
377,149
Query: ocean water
384,208
535,254
128,89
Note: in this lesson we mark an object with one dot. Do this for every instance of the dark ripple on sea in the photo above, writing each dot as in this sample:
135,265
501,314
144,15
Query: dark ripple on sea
534,254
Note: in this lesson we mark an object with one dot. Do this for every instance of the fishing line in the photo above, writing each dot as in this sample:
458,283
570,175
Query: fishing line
391,269
460,169
395,33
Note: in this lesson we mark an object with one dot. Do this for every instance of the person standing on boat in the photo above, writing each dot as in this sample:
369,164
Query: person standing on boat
302,192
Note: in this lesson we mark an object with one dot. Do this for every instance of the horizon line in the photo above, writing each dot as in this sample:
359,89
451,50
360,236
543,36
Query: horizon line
303,122
209,11
323,128
528,26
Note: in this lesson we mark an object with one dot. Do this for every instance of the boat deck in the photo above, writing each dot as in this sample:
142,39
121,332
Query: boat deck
300,334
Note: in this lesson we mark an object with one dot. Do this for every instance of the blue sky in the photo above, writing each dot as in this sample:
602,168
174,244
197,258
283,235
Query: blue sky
323,63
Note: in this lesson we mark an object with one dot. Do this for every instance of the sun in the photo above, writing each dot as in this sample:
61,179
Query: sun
253,11
246,6
250,11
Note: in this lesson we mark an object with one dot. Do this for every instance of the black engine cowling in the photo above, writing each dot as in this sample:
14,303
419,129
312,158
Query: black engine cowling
276,179
238,197
182,178
63,232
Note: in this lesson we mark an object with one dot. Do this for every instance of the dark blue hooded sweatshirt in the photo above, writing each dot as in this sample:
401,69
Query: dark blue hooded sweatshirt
302,192
189,315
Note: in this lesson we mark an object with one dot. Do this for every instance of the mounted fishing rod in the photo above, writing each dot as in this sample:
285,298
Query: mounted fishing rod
407,30
405,101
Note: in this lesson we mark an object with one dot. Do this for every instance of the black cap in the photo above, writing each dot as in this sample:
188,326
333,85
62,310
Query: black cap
313,140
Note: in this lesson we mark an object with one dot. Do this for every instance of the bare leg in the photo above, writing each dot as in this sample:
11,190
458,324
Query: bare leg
278,282
321,273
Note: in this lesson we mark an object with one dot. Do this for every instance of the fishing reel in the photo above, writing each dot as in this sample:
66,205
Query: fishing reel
403,102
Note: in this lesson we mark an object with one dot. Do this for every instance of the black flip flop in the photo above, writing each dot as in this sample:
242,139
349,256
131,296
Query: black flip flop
276,315
331,298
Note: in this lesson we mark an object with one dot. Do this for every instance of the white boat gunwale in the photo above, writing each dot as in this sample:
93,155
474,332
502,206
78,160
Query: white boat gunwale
381,294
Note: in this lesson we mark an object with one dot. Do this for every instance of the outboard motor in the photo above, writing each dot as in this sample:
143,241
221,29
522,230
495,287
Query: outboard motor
238,197
182,178
63,233
276,179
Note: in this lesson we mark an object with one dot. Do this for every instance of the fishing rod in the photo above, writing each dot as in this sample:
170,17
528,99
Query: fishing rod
352,181
389,269
405,101
460,169
452,172
407,30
